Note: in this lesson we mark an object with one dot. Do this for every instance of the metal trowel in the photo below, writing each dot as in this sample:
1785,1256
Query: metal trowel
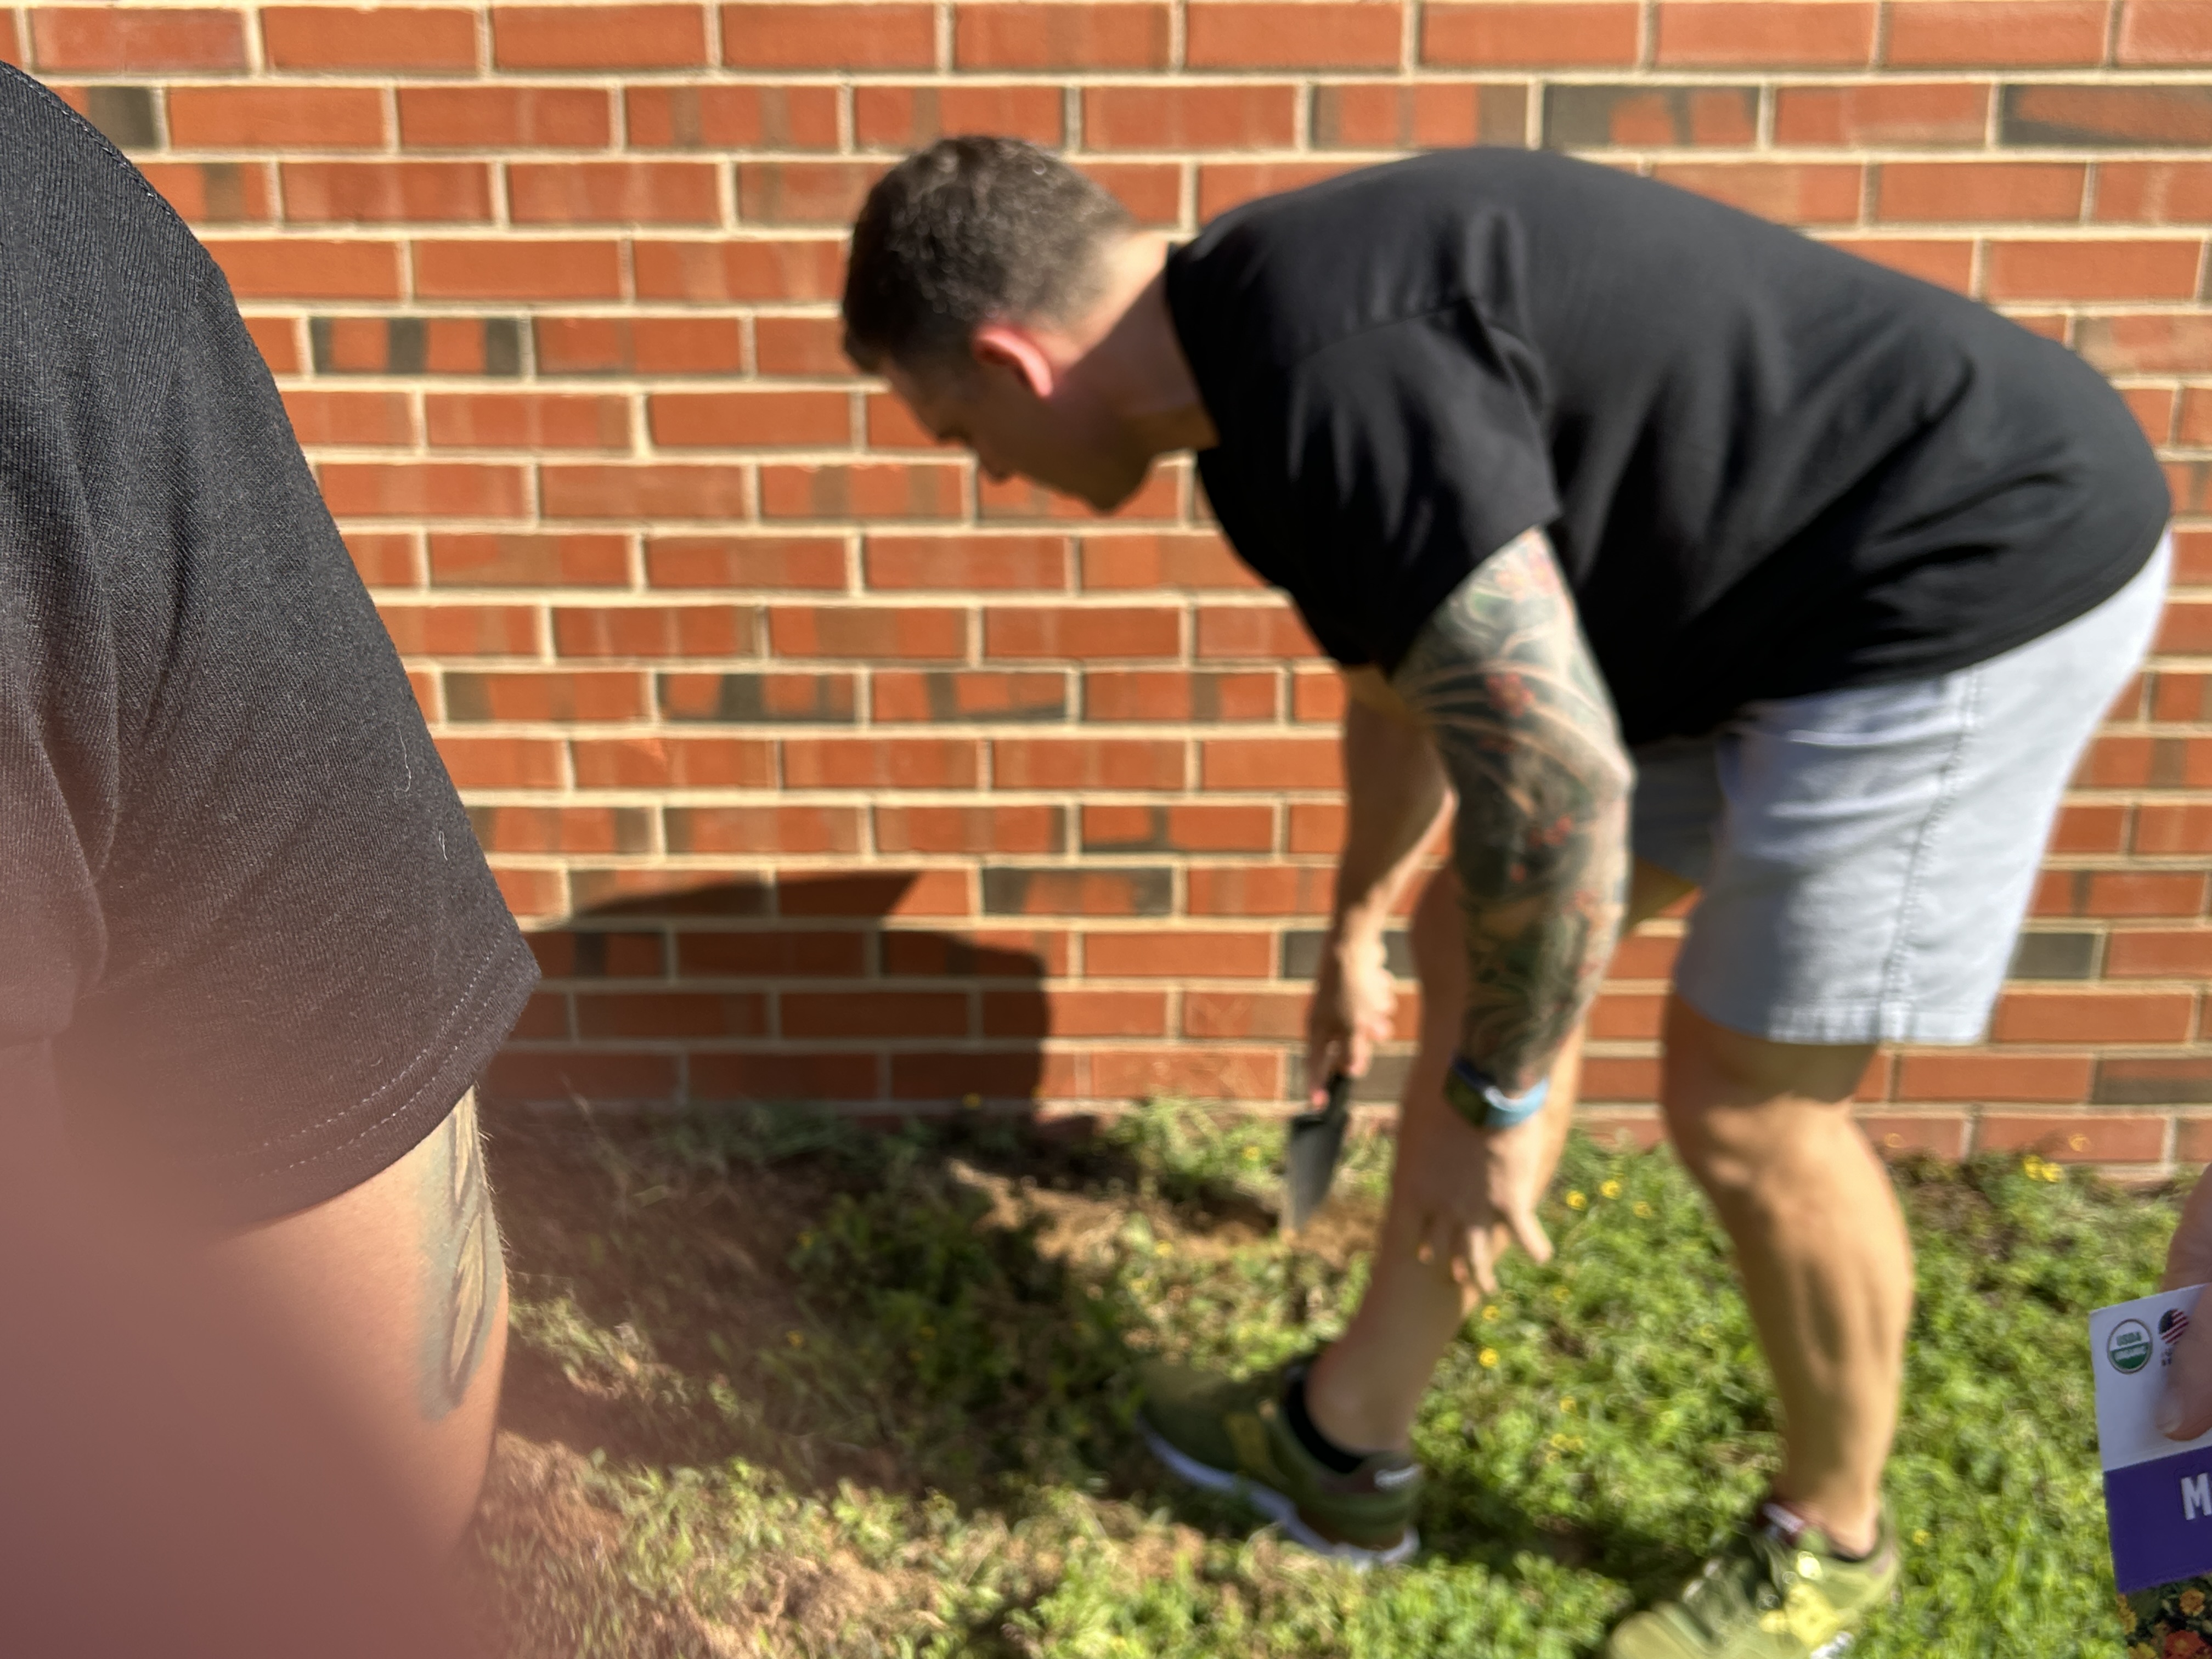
1311,1150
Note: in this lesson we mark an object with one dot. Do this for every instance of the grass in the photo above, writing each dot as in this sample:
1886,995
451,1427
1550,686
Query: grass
782,1387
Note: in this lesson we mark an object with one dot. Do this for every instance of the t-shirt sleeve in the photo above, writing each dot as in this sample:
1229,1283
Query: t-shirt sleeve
1414,454
291,959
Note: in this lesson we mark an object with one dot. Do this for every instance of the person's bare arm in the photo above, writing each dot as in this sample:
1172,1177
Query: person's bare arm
1395,793
1505,682
397,1291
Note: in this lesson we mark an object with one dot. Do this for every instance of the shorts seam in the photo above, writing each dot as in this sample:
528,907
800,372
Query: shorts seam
1896,969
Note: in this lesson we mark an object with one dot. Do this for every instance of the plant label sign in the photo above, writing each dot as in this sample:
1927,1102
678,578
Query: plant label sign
2158,1493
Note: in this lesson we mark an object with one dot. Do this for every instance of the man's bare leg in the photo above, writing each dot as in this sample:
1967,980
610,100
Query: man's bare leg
1363,1392
1766,1127
397,1293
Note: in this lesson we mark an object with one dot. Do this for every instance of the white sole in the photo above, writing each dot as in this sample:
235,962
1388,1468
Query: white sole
1277,1508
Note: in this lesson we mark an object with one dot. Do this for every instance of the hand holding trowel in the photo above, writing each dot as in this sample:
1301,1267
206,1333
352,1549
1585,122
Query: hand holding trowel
1352,1003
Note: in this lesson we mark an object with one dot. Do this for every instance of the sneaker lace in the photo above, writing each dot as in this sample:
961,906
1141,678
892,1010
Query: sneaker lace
1745,1584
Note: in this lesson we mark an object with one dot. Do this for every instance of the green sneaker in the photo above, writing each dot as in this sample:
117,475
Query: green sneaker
1779,1591
1231,1436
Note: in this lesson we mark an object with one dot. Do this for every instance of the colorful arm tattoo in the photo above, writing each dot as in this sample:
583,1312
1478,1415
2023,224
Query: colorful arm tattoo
1526,729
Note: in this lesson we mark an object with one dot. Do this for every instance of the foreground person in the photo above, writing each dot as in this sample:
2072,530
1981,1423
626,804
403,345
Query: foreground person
253,956
1681,553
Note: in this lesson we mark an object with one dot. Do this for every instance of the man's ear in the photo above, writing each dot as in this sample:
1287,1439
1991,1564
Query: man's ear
1012,347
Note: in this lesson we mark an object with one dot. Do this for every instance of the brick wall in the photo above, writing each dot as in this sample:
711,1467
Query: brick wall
822,768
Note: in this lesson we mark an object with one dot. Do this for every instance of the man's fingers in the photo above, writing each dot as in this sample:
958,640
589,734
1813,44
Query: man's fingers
2185,1410
1529,1233
1320,1065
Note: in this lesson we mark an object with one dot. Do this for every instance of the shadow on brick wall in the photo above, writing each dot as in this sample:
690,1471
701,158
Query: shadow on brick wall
663,990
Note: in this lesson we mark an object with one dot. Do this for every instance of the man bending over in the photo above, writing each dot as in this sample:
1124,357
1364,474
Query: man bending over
1682,553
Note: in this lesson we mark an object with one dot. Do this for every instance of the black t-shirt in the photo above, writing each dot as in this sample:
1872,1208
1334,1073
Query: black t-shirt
1767,467
251,946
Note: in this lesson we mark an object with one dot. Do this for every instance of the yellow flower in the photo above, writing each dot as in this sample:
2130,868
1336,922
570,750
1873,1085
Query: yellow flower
1576,1200
1490,1313
797,1339
1487,1359
1567,1404
1611,1189
2192,1602
1920,1535
1642,1210
1558,1293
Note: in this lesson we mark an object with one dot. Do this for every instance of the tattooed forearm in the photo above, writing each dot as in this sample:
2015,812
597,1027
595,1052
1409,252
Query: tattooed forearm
1505,681
461,1246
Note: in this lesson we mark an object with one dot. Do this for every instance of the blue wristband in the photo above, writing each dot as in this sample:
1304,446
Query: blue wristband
1475,1096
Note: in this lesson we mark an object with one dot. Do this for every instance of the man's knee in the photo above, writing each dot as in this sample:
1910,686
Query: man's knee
1743,1112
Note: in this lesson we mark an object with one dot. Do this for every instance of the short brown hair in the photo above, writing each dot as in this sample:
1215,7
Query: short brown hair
970,230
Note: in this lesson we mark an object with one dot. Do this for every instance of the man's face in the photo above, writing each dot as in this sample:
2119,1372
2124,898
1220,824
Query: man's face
1065,441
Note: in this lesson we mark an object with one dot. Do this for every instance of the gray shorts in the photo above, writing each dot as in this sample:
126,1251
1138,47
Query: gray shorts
1866,856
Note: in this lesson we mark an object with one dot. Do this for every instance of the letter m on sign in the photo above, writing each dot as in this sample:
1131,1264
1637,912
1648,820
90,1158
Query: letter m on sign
2196,1496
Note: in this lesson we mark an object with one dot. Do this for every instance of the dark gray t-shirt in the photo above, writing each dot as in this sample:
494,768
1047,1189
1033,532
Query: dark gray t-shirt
251,946
1768,467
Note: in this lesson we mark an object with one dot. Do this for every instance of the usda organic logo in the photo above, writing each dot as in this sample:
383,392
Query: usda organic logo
2129,1345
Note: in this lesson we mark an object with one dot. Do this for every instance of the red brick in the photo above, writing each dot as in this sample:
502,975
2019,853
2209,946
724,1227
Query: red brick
1793,193
671,1014
1948,191
922,696
803,192
1271,632
2106,115
1390,115
1087,763
1890,1133
321,418
406,489
613,192
1178,559
446,630
214,192
1579,117
385,560
686,630
2165,32
812,955
562,829
2090,829
1176,695
671,763
874,632
988,953
1578,34
517,268
1260,889
2154,192
1607,1078
747,271
907,118
900,830
1223,186
504,117
1073,1013
2103,1139
2159,955
783,1077
2194,426
565,1075
1325,35
780,828
2173,827
1184,827
639,345
1151,191
374,192
1178,955
749,418
527,559
1318,827
891,425
277,340
813,346
106,39
1979,1077
418,39
1195,1073
525,420
2192,1142
1234,117
1910,113
2091,1017
730,117
875,1014
1270,763
1946,262
567,697
880,763
997,562
500,762
2153,407
2159,343
662,491
1277,1015
877,894
2038,34
2186,628
1082,632
753,696
2092,270
867,490
597,38
290,117
798,36
808,562
2192,557
1748,33
1109,35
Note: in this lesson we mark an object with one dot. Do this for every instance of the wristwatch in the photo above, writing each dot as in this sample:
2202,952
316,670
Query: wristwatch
1475,1096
